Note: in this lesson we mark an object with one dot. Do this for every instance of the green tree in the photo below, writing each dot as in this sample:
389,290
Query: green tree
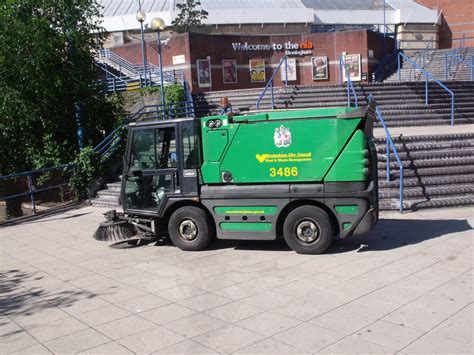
189,16
46,67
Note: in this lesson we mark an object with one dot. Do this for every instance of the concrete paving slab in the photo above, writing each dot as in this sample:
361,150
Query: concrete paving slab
195,325
150,340
228,339
410,282
187,347
268,323
309,337
76,342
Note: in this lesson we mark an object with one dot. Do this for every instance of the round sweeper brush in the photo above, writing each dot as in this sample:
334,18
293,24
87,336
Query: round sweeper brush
110,231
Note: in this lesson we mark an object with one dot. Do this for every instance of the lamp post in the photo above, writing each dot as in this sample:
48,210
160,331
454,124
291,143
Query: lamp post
384,31
141,17
157,24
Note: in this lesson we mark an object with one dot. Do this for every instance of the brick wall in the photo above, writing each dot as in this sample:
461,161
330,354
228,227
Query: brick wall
457,20
219,47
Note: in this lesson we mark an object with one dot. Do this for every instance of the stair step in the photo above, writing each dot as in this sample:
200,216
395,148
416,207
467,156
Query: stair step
104,202
465,179
409,148
456,201
425,163
448,170
436,154
428,191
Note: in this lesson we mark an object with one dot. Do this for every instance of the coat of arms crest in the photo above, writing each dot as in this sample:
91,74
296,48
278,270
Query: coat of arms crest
282,137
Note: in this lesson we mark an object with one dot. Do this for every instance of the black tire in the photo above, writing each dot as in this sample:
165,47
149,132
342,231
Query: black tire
312,224
181,232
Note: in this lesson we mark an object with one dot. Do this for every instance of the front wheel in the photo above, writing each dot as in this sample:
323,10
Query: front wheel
189,228
308,230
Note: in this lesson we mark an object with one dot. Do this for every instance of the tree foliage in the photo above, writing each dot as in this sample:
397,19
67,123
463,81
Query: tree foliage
46,66
189,16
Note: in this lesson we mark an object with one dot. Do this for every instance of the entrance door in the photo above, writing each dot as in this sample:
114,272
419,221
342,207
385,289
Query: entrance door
152,172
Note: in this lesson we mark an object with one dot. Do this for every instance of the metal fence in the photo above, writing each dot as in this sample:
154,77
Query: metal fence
52,184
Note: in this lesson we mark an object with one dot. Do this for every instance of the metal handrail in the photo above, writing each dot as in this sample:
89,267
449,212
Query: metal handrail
138,73
381,70
123,63
428,75
390,145
32,190
103,67
270,82
455,57
349,86
156,112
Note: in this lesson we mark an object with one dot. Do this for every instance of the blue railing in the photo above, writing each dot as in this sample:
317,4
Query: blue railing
121,62
32,190
428,76
137,76
150,112
385,65
270,82
343,68
115,83
390,146
451,58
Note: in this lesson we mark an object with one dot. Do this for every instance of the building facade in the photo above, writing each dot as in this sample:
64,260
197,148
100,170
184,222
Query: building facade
231,62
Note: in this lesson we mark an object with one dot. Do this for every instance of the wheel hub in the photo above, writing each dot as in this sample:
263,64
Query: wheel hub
307,231
188,230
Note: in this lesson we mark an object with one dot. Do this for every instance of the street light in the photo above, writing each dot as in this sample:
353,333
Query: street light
157,24
141,17
384,31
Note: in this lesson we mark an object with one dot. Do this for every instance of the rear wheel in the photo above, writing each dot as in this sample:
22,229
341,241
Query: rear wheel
189,228
308,230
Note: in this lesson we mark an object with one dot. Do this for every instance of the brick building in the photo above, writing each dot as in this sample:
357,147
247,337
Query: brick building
231,59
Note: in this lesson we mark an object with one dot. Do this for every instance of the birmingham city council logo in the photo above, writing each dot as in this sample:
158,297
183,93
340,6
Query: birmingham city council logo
282,137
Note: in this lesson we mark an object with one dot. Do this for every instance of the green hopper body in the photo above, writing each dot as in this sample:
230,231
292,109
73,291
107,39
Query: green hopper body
312,145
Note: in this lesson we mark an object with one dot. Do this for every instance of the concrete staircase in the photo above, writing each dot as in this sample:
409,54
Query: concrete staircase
438,171
110,196
439,168
402,104
435,63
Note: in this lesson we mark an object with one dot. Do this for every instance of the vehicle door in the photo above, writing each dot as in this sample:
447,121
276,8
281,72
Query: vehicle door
151,175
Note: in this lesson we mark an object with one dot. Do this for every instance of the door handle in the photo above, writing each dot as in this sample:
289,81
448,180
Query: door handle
176,178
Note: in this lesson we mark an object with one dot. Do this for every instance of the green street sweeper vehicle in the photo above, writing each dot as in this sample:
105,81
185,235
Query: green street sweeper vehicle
308,176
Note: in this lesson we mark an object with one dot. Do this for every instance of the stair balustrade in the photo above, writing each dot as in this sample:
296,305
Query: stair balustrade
452,58
149,112
270,82
136,76
387,64
428,76
390,146
32,190
343,68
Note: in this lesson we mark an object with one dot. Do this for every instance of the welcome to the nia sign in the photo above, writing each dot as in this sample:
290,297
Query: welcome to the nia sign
289,47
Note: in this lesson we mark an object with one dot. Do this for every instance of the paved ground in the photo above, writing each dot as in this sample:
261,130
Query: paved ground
407,287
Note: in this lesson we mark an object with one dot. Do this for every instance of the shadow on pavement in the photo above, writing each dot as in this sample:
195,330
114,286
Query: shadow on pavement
391,234
19,295
388,234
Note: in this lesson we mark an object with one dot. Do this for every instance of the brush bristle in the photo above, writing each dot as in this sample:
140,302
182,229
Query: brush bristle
114,231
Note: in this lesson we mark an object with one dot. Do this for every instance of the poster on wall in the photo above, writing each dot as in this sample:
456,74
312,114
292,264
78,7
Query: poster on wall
229,71
353,65
204,73
319,66
257,70
291,70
